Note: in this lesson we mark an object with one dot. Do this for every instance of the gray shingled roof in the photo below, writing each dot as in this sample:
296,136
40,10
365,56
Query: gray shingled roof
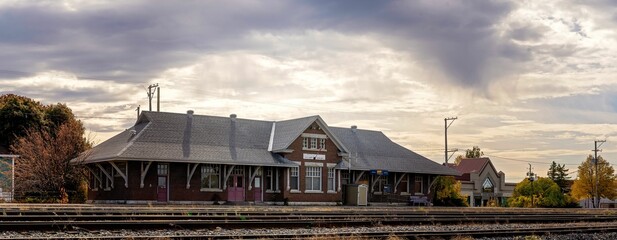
173,137
177,138
287,131
374,150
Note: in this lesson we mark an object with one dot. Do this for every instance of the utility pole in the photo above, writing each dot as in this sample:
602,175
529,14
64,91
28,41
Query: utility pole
446,126
595,150
532,178
151,90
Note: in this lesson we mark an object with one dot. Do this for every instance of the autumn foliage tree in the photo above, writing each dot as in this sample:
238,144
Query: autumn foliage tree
447,192
46,137
43,169
583,187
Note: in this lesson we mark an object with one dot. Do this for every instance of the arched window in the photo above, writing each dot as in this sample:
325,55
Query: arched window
488,186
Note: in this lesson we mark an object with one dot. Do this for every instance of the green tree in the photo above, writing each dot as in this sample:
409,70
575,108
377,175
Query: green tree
447,192
474,152
17,115
559,174
542,192
583,187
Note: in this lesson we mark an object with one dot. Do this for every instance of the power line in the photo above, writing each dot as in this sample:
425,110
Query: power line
525,161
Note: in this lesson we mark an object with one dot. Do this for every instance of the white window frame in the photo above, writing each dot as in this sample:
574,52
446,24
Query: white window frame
312,174
294,172
313,144
331,180
406,181
322,144
272,176
204,173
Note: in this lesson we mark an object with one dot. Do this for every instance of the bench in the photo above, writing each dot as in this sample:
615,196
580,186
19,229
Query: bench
419,200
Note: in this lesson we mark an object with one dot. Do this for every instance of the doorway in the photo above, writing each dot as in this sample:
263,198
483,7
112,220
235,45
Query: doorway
257,189
235,185
161,189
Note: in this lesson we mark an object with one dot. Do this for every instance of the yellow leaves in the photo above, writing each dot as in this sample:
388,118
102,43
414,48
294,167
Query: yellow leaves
583,186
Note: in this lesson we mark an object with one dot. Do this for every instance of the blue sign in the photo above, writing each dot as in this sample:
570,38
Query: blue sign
379,172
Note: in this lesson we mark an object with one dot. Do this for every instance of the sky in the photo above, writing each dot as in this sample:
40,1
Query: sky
531,82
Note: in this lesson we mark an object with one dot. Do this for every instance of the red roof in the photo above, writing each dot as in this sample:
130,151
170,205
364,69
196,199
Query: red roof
469,165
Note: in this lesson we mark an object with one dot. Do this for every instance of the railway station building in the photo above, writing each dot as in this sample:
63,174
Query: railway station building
481,182
189,158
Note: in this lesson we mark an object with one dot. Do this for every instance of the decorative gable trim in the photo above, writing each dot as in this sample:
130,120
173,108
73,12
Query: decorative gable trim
322,124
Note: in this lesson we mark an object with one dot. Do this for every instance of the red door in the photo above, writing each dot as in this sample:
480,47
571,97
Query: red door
257,190
235,188
161,189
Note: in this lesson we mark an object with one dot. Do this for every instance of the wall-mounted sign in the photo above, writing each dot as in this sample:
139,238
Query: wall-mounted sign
379,172
310,156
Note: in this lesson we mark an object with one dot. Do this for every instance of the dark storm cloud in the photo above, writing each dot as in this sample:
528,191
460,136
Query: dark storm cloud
138,40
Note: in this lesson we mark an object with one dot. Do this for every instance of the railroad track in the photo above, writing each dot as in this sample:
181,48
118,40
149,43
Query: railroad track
92,218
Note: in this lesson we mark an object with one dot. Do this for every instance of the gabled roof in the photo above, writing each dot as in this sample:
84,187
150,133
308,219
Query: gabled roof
285,132
468,165
373,150
172,137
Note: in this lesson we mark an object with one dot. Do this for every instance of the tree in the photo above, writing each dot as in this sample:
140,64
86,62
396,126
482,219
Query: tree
44,168
17,115
542,192
583,187
559,174
447,192
475,152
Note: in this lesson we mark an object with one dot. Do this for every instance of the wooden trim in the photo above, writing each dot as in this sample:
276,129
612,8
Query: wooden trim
106,174
252,177
189,174
374,181
398,182
227,174
123,175
144,171
97,177
359,177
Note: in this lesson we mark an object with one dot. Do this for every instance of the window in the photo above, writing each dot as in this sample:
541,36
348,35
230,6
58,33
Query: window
404,182
344,177
313,143
162,169
210,176
487,186
294,181
418,187
313,179
272,179
380,183
95,175
331,181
